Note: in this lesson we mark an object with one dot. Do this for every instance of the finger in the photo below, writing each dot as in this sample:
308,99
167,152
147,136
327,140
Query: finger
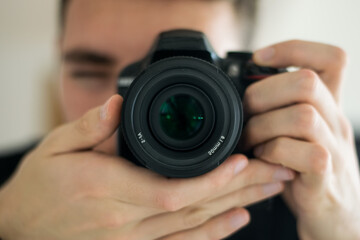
240,198
140,186
327,60
303,86
90,130
145,188
257,172
216,228
312,160
301,121
196,215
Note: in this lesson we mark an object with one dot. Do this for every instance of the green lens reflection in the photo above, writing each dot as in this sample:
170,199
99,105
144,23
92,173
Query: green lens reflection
181,117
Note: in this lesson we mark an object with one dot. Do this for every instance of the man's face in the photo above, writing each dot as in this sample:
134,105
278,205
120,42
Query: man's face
102,37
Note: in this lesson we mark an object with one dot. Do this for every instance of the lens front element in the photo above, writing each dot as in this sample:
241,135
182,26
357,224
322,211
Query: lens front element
181,117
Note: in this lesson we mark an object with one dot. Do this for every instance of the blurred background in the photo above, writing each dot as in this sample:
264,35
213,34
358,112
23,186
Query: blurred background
28,61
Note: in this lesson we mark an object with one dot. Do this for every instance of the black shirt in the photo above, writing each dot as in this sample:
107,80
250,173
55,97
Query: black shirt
270,219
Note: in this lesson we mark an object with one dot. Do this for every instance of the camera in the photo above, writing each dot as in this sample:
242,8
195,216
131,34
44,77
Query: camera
182,114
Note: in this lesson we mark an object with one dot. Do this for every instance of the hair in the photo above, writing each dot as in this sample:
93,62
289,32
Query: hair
244,9
62,13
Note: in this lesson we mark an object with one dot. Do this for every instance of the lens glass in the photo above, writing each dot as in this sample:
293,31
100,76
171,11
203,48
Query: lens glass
181,117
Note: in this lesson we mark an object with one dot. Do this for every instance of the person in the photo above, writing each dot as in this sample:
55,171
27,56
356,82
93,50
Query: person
73,186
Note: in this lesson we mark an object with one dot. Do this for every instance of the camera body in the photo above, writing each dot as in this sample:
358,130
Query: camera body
182,114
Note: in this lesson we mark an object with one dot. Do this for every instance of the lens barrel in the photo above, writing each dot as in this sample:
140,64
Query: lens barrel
182,117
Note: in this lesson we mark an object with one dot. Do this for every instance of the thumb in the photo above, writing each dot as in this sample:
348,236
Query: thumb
92,128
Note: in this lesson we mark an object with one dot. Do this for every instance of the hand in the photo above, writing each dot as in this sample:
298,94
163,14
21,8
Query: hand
65,189
296,121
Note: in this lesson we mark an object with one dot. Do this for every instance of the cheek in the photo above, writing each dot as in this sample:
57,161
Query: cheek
76,100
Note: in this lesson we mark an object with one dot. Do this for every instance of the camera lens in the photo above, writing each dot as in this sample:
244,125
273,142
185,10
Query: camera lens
181,117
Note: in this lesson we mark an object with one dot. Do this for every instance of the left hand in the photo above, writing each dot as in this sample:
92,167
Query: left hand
296,121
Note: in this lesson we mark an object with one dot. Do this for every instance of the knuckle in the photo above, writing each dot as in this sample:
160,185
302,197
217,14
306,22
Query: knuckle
85,190
195,217
306,118
276,148
83,126
308,84
219,180
293,44
319,160
295,47
168,200
112,220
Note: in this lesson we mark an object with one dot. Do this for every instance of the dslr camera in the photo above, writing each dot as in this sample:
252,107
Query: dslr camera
182,114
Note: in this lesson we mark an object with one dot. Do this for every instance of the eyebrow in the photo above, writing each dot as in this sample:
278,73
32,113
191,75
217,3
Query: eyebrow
86,56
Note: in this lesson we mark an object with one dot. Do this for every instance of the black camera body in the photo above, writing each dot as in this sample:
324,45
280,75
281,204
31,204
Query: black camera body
182,114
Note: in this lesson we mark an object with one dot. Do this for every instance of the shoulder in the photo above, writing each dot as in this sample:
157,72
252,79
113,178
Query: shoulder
9,160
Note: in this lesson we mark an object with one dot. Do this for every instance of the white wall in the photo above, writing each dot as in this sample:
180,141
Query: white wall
27,37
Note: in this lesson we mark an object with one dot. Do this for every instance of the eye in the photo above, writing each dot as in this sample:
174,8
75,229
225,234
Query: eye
81,74
93,80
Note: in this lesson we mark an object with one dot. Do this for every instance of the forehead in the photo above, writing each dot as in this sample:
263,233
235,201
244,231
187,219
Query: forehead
108,24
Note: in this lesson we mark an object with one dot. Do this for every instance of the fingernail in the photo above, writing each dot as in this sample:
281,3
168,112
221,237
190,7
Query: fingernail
104,110
258,151
271,188
238,220
283,174
264,55
239,166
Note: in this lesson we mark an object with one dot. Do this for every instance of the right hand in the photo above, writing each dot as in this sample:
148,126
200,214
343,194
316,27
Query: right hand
66,190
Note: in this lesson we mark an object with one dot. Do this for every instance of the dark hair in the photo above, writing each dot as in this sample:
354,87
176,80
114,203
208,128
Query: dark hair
63,9
245,10
246,7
